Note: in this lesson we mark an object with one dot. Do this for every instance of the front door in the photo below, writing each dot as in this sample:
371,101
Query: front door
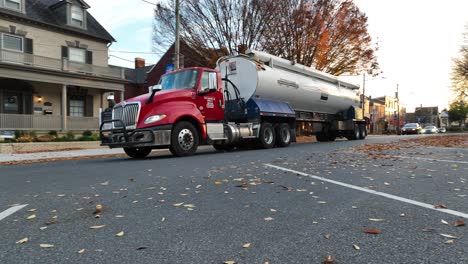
211,105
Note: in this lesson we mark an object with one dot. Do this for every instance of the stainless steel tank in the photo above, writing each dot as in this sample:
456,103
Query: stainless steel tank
264,76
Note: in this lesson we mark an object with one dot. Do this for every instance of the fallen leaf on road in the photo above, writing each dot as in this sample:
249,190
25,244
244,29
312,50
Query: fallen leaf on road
177,204
440,206
288,188
218,182
120,234
246,245
31,217
46,245
376,219
268,218
141,248
356,247
371,231
459,223
328,260
229,262
105,183
273,210
61,195
444,222
189,205
97,227
327,236
98,209
451,241
81,251
51,222
32,210
22,241
448,236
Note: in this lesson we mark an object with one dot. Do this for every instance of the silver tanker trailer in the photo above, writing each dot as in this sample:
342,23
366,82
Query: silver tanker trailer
323,104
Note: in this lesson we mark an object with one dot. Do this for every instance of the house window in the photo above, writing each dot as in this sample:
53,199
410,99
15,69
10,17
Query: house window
77,55
13,4
77,108
11,104
12,42
77,16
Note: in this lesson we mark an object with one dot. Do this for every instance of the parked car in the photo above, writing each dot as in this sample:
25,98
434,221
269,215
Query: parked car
411,128
442,130
430,130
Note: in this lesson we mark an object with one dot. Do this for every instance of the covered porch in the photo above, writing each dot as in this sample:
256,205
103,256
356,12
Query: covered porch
33,101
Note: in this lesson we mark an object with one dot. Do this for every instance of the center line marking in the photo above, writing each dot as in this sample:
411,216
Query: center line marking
11,211
386,195
429,159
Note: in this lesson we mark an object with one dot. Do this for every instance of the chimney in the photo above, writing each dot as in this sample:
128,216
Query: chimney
139,63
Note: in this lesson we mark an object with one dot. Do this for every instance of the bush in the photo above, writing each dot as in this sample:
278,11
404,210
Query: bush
45,138
70,136
87,133
53,133
18,133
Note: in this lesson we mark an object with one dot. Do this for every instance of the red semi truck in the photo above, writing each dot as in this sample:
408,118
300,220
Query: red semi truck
255,99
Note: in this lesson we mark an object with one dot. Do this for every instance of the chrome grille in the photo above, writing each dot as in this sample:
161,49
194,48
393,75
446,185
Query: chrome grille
128,113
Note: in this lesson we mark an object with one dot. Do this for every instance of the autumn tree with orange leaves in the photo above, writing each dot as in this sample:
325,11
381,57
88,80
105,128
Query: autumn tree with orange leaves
329,35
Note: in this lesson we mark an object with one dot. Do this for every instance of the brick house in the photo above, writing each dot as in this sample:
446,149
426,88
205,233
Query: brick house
54,72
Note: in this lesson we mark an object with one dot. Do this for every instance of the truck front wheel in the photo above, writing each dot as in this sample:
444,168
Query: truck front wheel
184,139
267,136
137,153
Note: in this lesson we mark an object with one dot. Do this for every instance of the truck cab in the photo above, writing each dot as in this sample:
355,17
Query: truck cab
184,100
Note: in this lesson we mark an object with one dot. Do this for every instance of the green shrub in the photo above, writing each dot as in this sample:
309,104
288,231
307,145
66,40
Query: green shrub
18,133
52,133
87,133
70,135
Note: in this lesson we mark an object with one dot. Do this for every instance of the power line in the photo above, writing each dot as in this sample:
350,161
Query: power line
148,2
136,52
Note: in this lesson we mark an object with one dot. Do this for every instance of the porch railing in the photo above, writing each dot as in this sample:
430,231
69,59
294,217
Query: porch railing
46,122
19,58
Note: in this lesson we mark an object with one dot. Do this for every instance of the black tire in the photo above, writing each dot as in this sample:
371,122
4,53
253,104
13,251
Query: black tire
138,153
267,136
283,135
362,132
331,137
184,139
321,137
354,134
223,147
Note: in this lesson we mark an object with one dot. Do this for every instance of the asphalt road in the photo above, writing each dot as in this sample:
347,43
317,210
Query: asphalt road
285,205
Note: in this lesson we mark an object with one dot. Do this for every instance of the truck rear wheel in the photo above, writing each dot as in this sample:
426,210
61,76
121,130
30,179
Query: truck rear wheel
283,135
184,139
354,134
321,137
137,153
267,136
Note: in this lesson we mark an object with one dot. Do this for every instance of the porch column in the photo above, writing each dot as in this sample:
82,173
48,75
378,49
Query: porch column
122,95
64,107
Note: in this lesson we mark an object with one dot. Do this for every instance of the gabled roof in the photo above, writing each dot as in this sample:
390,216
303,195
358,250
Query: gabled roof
40,12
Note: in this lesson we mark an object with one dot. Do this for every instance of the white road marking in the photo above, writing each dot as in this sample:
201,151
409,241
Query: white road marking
11,211
429,159
386,195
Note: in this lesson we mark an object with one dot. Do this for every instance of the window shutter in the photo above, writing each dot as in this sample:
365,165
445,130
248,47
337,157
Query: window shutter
89,57
64,52
89,106
28,46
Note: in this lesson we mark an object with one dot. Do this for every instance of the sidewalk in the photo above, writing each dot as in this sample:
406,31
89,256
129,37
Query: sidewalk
58,155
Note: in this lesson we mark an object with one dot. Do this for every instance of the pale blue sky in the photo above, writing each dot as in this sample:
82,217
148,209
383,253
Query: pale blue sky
417,39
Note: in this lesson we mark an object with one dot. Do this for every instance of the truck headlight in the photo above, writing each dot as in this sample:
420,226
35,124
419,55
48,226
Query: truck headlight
154,118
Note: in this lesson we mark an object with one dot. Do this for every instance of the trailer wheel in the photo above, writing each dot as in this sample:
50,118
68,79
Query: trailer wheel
283,135
354,134
137,153
331,137
321,137
362,132
267,136
184,139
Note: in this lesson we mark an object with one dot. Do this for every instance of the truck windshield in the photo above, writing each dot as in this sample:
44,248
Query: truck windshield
179,80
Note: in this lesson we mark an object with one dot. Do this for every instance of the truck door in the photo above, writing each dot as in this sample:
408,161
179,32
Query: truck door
210,103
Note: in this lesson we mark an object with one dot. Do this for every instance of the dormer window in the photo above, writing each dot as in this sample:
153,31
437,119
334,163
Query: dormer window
12,4
77,16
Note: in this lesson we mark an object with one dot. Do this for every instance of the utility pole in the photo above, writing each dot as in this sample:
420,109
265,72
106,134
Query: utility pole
177,37
363,93
398,110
